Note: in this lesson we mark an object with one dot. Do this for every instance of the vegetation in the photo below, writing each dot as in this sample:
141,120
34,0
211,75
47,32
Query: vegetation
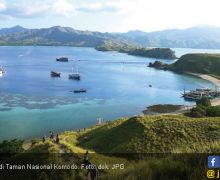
194,63
158,65
204,109
198,63
126,141
116,46
164,108
203,37
11,147
144,134
158,53
204,102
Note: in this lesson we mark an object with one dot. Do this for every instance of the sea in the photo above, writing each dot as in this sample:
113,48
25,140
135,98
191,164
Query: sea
32,103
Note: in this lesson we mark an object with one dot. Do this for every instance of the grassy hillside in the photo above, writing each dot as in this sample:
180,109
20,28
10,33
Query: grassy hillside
198,63
141,134
144,134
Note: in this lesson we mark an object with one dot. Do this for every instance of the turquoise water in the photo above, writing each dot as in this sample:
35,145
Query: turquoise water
32,103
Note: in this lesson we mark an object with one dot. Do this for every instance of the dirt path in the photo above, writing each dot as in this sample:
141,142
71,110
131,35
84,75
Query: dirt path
26,145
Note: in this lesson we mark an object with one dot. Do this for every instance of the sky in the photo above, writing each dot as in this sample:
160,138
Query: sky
110,15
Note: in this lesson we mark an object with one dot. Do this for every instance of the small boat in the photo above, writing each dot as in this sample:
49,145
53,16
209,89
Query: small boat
79,91
75,76
55,74
62,59
1,71
150,85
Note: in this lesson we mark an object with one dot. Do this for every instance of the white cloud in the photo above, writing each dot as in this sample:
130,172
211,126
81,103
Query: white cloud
153,15
62,7
2,5
36,9
115,15
98,7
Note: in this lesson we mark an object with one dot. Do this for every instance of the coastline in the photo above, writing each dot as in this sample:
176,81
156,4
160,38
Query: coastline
207,77
215,81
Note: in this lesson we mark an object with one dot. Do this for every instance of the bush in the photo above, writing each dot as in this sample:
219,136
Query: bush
198,112
204,102
11,147
213,111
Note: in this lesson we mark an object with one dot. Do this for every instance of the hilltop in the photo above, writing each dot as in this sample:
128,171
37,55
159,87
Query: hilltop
195,37
165,133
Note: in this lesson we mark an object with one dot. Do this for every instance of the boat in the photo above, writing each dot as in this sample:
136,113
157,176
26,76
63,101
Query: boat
75,76
55,74
150,85
1,71
198,94
79,91
62,59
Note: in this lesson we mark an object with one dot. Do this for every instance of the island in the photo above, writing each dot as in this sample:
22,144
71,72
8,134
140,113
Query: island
157,53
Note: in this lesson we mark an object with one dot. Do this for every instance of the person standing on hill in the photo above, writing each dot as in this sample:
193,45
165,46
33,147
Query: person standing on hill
57,139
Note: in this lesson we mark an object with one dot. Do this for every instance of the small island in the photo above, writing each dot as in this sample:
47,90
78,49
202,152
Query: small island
158,53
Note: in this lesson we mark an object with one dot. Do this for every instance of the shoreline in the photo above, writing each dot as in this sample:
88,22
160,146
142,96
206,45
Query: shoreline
207,77
215,81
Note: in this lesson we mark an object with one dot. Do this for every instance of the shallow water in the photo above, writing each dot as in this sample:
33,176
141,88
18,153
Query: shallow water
32,103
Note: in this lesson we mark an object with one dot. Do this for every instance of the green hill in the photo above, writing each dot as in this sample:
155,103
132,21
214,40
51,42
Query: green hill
198,63
193,63
144,134
195,37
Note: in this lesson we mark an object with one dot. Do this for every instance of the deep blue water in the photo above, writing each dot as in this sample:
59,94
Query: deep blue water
32,103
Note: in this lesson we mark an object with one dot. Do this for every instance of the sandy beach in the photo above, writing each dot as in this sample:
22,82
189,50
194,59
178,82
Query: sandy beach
215,81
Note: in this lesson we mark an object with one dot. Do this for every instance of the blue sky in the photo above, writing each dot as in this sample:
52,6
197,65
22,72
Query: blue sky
110,15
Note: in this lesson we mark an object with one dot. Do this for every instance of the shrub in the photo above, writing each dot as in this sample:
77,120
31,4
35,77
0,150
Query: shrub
11,147
205,101
213,111
198,112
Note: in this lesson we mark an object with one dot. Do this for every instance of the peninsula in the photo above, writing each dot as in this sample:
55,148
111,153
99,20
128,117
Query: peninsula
205,66
157,53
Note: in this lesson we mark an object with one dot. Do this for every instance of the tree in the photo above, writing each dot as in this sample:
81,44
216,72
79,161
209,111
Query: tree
198,112
204,101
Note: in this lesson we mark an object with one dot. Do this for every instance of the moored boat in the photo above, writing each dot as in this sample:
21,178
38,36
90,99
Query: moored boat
55,74
79,91
62,59
198,94
75,76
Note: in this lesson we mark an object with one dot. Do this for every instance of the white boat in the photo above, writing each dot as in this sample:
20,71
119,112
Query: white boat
75,76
